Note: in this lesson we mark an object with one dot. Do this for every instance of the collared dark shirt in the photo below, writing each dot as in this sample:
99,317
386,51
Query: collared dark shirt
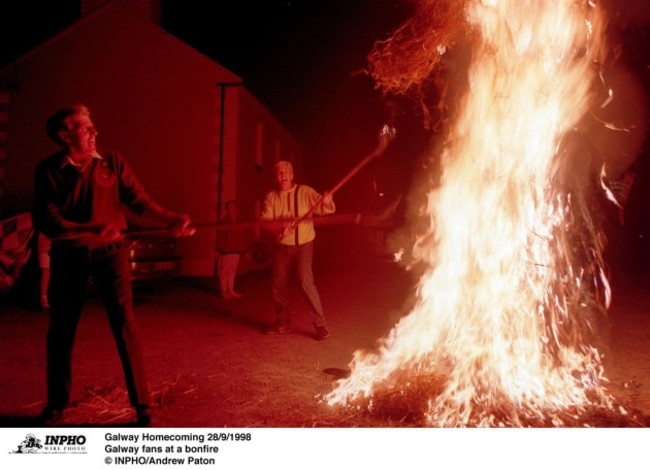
96,193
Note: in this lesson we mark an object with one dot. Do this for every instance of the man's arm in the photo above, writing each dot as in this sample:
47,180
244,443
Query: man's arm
180,222
269,223
267,207
327,205
323,205
133,194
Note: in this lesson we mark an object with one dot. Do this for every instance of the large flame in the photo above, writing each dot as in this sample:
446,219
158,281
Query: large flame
507,315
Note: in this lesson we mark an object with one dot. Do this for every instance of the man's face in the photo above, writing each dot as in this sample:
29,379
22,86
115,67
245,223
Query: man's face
81,135
284,177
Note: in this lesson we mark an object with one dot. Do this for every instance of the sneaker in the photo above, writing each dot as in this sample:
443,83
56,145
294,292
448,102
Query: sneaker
45,305
278,329
321,333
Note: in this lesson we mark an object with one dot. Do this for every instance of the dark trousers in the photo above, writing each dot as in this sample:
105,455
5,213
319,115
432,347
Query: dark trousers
71,268
302,255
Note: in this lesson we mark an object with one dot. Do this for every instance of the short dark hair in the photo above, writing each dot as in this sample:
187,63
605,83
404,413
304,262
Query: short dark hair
58,121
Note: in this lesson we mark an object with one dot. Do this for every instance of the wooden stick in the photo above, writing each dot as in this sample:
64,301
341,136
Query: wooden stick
385,137
223,227
371,220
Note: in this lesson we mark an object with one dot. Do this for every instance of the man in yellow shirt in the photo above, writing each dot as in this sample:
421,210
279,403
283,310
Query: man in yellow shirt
295,243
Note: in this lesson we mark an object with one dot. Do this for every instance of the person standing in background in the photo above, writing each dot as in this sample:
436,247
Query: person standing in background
231,244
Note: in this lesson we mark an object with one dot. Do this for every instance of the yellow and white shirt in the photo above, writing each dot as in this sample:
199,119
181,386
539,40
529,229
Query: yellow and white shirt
291,204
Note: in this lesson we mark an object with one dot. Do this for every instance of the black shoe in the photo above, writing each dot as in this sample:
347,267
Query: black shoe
278,329
321,333
50,415
143,413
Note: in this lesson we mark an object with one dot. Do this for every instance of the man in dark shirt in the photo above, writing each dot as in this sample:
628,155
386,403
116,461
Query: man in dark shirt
79,196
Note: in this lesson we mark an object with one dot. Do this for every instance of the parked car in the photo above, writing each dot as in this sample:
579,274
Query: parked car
153,257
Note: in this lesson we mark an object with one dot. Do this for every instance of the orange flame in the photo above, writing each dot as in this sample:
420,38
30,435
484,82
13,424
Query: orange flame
508,310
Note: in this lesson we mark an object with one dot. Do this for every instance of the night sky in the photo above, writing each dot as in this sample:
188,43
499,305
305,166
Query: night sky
287,51
290,53
300,58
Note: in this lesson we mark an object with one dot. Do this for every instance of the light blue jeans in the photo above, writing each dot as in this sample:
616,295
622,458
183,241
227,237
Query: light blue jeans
303,256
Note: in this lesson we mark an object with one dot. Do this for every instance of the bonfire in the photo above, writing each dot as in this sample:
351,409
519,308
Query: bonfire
509,324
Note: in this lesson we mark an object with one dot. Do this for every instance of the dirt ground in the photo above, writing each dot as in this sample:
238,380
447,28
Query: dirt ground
210,365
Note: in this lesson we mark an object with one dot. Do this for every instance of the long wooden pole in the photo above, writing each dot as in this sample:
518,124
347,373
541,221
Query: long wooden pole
385,137
354,218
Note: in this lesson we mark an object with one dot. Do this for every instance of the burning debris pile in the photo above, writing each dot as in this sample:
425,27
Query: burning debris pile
509,314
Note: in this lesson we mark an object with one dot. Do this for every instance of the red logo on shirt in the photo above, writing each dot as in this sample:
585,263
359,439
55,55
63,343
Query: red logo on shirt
104,176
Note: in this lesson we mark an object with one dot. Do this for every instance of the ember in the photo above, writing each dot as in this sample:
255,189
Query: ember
507,324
